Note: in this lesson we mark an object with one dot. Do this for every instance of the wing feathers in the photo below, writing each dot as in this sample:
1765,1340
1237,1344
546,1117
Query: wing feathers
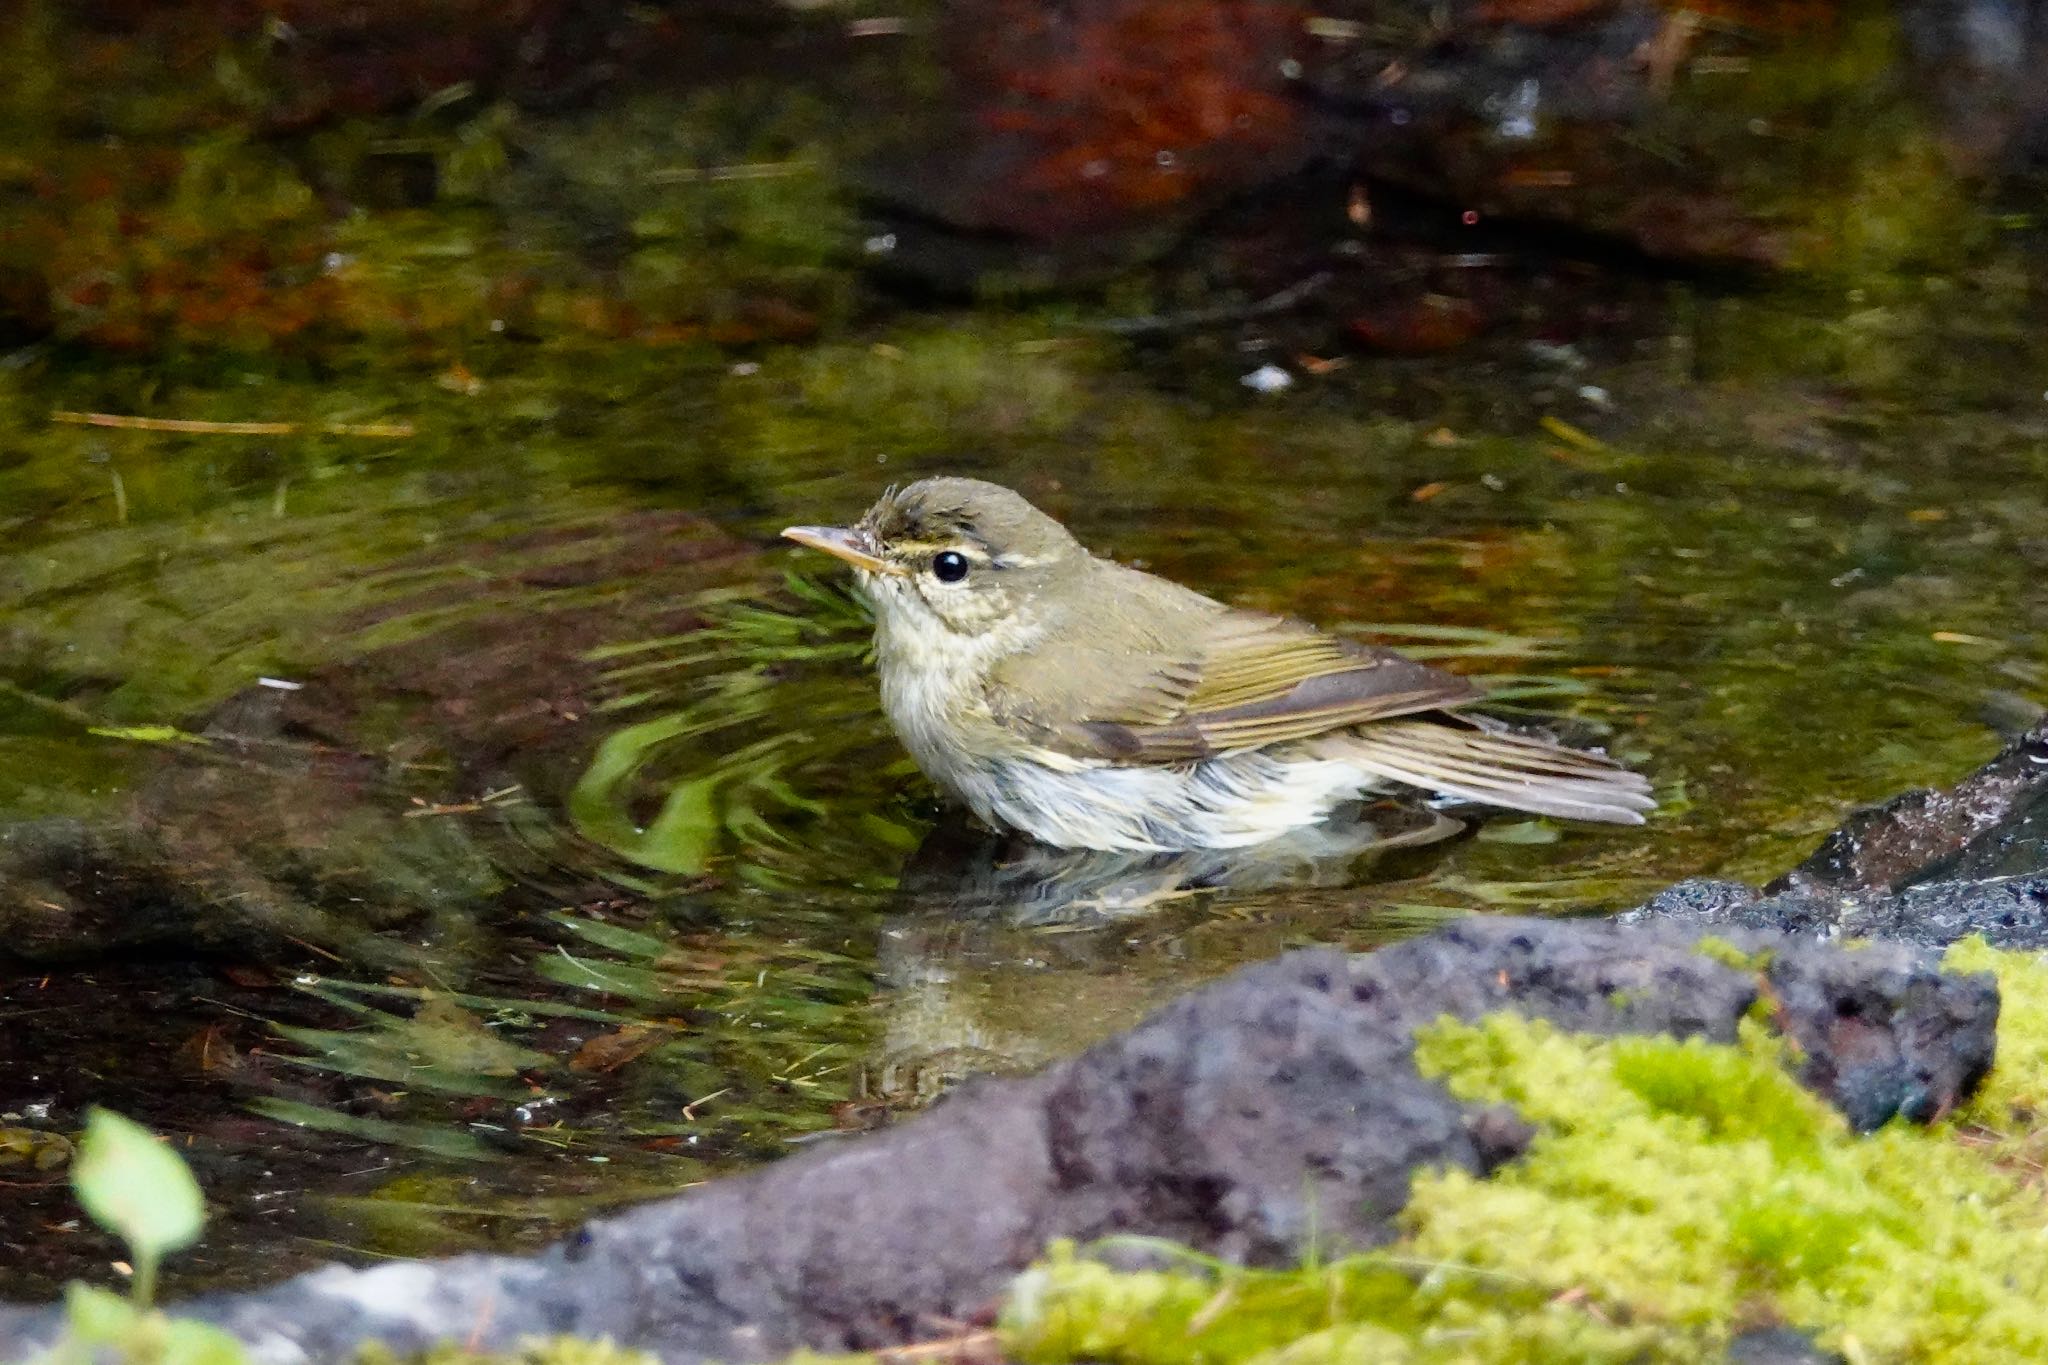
1263,680
1251,668
1501,770
1240,681
1225,731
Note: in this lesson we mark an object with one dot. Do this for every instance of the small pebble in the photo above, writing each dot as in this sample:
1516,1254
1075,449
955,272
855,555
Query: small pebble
1268,379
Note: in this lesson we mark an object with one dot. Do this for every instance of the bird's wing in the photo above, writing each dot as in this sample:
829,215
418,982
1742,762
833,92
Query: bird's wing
1247,680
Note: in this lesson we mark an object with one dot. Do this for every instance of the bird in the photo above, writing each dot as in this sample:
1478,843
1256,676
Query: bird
1091,705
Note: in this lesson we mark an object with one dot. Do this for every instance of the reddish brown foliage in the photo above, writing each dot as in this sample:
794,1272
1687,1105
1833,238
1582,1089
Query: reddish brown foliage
1768,16
1540,13
1129,106
1419,326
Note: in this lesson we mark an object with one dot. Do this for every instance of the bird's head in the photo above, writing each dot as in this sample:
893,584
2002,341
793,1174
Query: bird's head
943,559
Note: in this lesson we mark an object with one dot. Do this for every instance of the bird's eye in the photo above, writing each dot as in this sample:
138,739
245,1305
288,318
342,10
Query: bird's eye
949,566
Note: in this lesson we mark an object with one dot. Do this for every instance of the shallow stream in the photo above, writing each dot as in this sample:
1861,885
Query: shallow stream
459,813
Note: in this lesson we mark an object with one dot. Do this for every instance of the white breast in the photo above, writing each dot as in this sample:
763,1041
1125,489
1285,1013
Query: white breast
932,678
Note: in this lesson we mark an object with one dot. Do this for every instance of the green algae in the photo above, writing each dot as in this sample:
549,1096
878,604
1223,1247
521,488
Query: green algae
1677,1193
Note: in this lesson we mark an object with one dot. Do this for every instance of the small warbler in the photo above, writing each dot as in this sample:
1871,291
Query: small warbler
1092,705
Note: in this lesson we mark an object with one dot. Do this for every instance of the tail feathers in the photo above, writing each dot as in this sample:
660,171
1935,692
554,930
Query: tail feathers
1509,770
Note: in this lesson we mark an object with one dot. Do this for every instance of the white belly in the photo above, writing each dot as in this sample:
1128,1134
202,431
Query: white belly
1225,802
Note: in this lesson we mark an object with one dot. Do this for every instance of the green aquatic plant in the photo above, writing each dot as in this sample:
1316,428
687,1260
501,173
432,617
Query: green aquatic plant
764,1022
758,1023
1677,1193
748,731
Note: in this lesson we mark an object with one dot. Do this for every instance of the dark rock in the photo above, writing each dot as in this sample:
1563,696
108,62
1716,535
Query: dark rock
1929,867
1927,834
1275,1112
2009,913
1777,1346
1699,900
1879,1036
294,823
1107,125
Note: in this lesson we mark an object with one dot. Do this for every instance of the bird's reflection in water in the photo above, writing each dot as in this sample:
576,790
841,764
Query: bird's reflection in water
1007,953
961,871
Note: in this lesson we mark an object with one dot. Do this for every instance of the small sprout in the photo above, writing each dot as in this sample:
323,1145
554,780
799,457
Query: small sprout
138,1189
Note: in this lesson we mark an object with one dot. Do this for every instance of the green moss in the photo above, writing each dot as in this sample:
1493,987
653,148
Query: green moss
535,1351
1360,1308
1696,1185
1730,955
1677,1193
2015,1094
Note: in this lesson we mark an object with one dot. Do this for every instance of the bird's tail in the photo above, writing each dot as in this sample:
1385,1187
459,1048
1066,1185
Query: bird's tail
1500,769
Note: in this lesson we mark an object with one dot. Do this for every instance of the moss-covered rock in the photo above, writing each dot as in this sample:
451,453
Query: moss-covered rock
1677,1194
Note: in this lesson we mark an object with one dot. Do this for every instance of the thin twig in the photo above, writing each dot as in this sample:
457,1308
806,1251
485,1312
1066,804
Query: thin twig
1209,317
194,427
758,170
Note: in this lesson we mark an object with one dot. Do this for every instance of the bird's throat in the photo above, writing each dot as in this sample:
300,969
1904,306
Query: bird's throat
935,691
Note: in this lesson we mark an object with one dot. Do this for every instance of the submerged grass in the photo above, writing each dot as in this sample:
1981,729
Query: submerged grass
741,737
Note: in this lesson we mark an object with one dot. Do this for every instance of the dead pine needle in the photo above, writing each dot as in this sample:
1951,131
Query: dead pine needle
188,426
966,1345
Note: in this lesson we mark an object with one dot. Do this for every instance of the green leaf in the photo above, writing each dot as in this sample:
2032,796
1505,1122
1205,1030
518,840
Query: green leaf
684,834
136,1187
95,1316
186,1342
146,734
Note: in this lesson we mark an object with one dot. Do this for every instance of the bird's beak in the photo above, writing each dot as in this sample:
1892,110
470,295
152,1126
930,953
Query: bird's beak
848,544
